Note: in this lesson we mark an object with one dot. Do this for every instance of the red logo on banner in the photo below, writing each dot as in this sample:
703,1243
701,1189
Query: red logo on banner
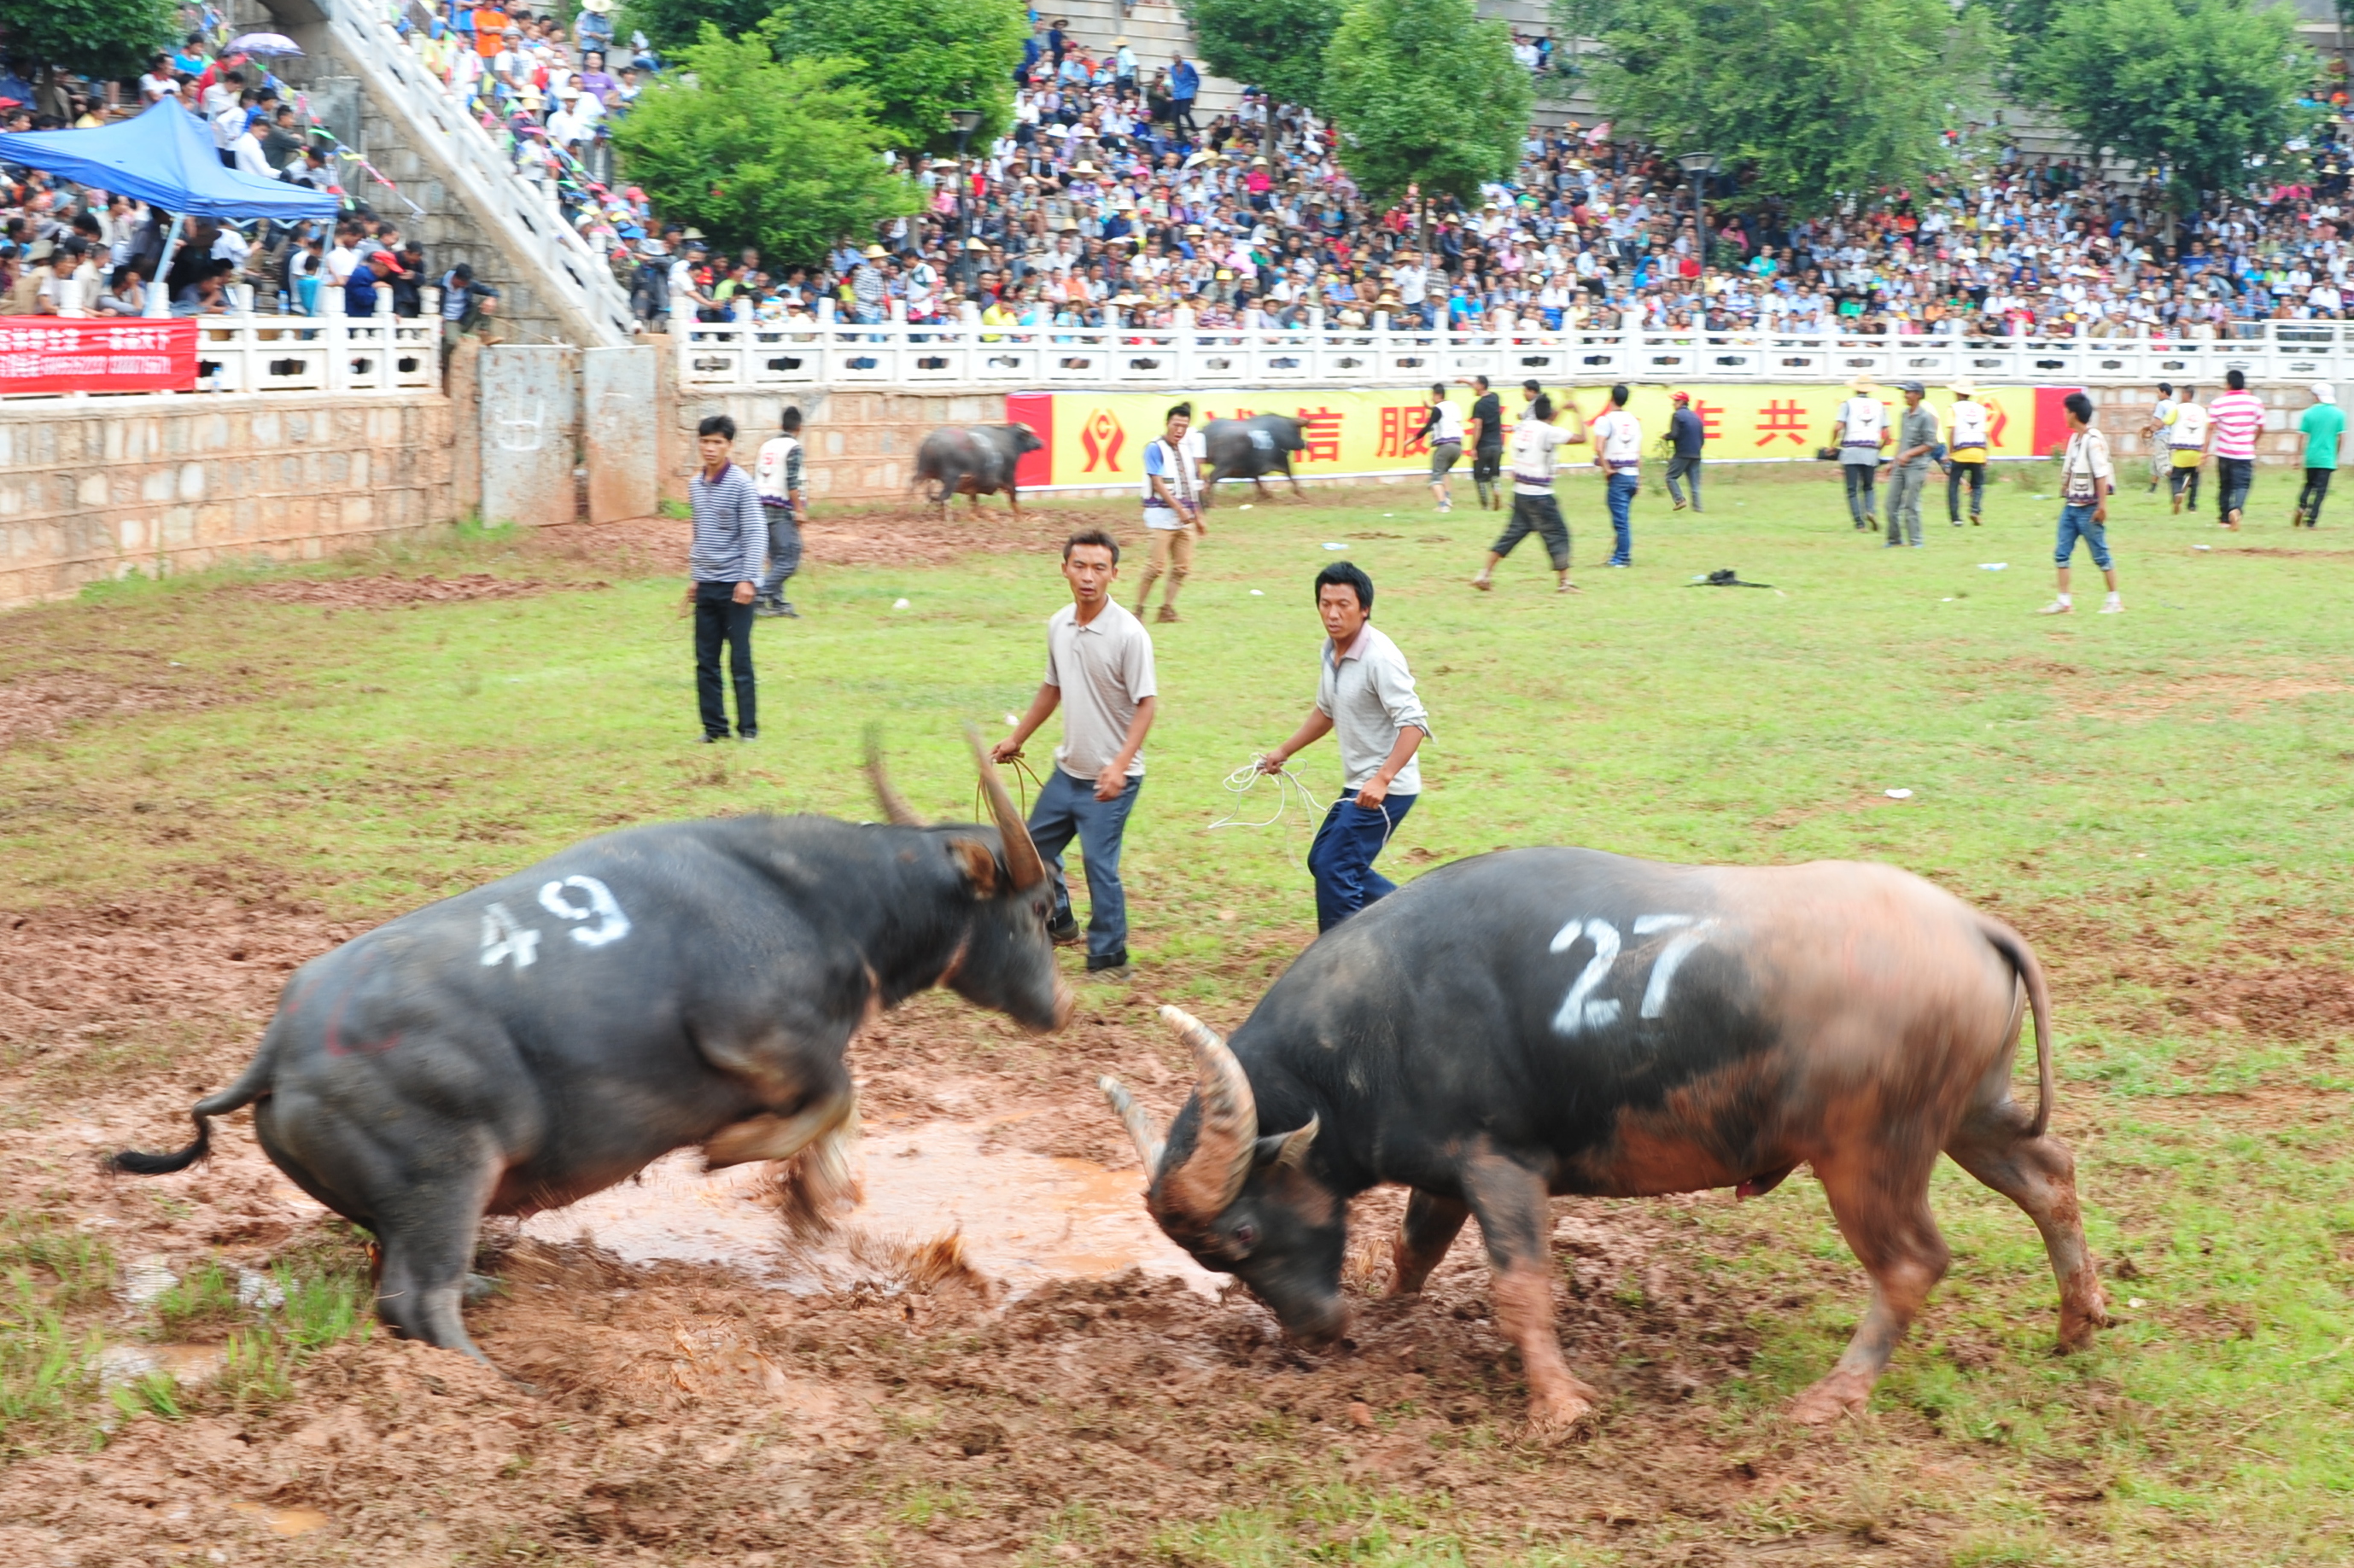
1101,438
1995,420
44,354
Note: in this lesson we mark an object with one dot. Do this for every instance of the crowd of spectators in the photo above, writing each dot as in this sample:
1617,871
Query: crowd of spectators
1115,200
73,251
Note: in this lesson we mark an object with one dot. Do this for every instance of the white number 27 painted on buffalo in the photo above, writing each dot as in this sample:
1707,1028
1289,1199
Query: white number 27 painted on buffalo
1581,1009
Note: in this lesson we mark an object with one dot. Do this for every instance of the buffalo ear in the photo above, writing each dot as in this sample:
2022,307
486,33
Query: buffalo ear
1287,1148
979,862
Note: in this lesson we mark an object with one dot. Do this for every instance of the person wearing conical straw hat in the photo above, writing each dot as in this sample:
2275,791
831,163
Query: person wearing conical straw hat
1862,426
1966,453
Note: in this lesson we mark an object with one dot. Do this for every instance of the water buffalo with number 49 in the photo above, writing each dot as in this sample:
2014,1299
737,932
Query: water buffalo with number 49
520,1047
1562,1020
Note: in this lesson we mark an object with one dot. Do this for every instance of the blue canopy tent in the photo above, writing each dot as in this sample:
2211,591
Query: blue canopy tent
164,157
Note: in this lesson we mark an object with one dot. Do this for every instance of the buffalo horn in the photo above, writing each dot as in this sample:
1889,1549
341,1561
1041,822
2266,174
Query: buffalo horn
896,809
1213,1175
1022,858
1139,1122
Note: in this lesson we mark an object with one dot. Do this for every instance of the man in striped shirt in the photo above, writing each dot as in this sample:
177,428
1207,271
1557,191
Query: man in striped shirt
2233,421
730,538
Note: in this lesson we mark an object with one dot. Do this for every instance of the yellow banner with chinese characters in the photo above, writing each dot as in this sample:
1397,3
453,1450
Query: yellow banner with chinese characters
1099,438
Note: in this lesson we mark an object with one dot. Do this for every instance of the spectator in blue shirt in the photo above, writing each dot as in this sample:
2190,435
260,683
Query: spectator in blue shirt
1184,86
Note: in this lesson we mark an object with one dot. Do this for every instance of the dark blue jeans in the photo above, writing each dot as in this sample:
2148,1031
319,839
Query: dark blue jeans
1622,501
1341,858
1066,809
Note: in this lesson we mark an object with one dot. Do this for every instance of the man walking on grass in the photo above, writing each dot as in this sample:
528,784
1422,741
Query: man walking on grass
1486,442
1366,696
2186,438
2322,426
1966,455
1618,440
1536,446
2085,482
2234,422
1908,472
1099,673
1686,438
1862,425
729,537
1173,509
776,475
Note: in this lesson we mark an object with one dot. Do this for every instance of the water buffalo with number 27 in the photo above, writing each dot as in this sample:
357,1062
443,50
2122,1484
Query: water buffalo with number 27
525,1045
1562,1020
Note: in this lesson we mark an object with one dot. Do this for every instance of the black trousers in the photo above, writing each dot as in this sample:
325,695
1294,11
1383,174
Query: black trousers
2180,480
1541,516
1972,475
2233,478
2309,499
719,618
1487,462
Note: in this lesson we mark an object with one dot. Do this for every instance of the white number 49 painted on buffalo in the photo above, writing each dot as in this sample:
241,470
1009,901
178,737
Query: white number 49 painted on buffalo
1581,1009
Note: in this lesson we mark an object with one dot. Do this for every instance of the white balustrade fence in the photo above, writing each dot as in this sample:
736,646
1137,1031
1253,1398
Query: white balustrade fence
525,213
833,356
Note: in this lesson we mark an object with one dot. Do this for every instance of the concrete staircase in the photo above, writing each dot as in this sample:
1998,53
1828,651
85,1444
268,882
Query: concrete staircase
456,194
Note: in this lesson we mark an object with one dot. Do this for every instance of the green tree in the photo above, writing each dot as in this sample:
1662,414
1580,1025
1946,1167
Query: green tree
784,155
1277,44
2196,86
673,25
87,38
920,59
1817,98
1424,93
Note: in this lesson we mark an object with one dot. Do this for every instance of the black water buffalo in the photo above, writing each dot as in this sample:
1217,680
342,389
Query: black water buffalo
1549,1021
522,1046
975,461
1251,449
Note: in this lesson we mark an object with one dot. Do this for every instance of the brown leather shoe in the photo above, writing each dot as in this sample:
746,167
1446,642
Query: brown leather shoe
1168,613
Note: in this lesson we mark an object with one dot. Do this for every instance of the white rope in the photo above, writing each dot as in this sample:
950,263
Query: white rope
1245,779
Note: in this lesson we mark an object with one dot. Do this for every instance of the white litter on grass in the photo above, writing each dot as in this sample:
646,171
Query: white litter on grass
1330,546
1945,601
1994,566
1258,593
1898,794
1246,505
1013,719
2202,546
899,604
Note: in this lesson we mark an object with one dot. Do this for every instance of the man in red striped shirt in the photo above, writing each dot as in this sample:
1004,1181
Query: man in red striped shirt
2234,422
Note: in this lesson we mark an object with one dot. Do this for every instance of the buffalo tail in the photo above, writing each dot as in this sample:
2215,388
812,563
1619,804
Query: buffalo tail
250,1085
2013,946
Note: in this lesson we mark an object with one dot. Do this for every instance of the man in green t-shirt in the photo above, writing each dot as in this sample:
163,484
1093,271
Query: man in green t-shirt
2322,424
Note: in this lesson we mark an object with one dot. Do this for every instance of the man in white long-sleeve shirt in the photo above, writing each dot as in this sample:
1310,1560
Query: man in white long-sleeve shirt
1365,697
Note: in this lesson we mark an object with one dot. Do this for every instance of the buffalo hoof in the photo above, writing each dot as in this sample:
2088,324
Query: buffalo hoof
2077,1328
1555,1415
1838,1395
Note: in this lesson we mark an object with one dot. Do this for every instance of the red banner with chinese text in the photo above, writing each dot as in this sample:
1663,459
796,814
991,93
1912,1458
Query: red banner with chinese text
55,354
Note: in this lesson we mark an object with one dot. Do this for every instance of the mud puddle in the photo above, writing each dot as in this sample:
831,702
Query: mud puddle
1022,1219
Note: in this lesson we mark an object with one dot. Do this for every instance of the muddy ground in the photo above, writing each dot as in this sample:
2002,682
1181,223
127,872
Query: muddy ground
918,1411
906,1393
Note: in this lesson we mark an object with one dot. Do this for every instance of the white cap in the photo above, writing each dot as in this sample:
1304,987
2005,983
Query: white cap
2322,394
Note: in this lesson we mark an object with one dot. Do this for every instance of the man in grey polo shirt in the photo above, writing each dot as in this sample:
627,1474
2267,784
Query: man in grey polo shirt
1099,673
1366,696
1916,437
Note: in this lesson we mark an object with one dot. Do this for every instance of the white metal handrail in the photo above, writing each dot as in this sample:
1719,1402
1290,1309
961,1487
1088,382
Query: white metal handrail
829,354
527,215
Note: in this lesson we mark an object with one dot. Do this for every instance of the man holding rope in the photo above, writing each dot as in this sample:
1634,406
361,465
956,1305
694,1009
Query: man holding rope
1366,695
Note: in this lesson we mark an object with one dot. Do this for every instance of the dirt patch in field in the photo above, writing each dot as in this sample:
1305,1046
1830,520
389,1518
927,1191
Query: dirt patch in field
2222,695
2278,976
387,592
44,704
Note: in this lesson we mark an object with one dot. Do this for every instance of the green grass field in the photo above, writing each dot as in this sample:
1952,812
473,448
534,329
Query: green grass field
2159,799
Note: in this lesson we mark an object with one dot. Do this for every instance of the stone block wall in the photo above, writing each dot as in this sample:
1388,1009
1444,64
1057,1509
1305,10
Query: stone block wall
93,488
862,445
